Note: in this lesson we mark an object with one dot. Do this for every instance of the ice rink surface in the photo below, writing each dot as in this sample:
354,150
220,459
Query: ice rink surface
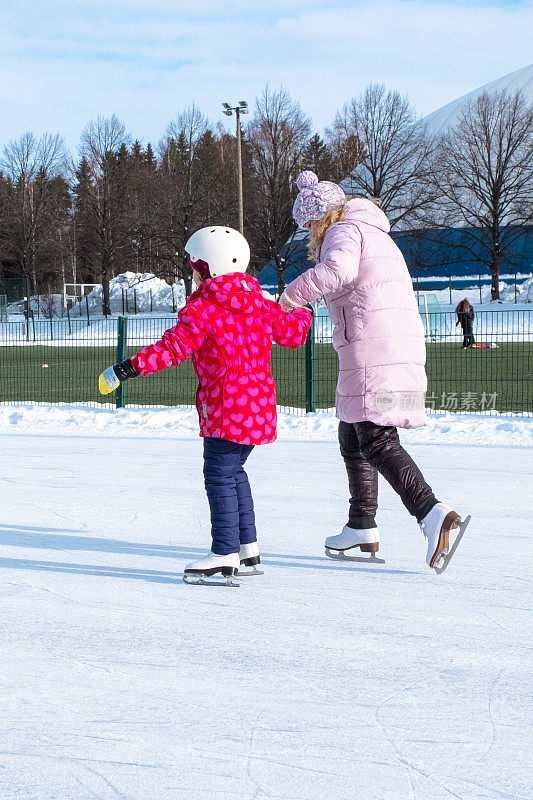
318,681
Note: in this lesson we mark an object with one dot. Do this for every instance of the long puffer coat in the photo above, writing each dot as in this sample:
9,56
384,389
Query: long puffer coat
229,326
378,333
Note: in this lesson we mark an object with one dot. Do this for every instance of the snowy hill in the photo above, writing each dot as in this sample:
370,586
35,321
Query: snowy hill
442,118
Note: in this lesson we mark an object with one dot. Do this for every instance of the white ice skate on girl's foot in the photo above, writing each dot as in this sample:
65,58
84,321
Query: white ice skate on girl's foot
197,572
249,557
367,539
436,527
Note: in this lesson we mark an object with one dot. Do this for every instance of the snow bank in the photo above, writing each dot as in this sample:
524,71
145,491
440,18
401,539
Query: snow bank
151,294
524,294
144,292
182,423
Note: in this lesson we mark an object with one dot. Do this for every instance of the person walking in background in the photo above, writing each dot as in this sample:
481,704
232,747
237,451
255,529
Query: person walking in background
465,318
379,337
228,326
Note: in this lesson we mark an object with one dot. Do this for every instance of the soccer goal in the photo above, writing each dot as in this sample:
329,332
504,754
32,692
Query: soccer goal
75,292
433,317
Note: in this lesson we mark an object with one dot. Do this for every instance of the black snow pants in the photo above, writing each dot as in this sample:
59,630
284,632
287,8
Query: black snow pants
466,320
468,334
368,449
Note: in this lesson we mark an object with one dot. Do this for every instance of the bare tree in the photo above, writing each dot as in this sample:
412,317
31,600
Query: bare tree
484,174
33,168
277,136
188,178
345,148
380,128
101,142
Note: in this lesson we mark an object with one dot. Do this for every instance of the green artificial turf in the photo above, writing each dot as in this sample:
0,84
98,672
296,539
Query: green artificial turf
457,378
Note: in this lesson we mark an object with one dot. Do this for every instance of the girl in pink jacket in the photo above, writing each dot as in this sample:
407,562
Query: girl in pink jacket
228,327
379,338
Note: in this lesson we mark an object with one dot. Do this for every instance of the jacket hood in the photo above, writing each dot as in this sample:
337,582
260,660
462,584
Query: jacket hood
236,291
361,210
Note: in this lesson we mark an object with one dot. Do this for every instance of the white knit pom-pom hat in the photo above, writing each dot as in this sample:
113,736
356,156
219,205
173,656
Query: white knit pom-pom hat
315,197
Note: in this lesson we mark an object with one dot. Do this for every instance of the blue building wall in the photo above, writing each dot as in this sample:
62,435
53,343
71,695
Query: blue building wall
429,254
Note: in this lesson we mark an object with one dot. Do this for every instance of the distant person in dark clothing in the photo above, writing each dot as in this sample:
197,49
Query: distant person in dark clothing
465,318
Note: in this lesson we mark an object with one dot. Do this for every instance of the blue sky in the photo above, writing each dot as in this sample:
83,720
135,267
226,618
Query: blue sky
62,63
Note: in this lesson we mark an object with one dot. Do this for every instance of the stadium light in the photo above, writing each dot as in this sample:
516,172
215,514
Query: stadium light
242,108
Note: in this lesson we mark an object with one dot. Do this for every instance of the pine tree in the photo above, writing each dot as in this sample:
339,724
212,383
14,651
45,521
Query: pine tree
84,227
318,158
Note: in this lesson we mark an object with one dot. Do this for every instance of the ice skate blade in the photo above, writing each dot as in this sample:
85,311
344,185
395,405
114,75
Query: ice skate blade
444,558
197,579
254,571
338,555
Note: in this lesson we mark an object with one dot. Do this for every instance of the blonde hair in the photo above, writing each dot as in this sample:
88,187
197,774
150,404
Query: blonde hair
335,214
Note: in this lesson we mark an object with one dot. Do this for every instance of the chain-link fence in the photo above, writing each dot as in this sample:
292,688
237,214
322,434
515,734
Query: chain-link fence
56,361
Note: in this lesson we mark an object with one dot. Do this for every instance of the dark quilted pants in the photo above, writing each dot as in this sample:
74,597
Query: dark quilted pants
368,449
229,495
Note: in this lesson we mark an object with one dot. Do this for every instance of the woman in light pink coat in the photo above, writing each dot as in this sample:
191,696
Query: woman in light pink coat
379,338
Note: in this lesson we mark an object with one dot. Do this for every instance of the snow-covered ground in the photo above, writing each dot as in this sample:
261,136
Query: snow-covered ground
142,330
523,298
181,422
318,681
494,323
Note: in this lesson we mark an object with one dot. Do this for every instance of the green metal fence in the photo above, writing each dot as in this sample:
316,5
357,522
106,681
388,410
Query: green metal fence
51,361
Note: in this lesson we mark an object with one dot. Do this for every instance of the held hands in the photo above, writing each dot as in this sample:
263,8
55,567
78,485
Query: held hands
112,377
286,303
289,306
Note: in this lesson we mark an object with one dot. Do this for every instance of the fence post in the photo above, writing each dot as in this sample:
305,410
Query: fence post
480,297
123,309
51,326
87,307
135,301
69,323
122,353
450,279
515,288
310,387
151,302
173,302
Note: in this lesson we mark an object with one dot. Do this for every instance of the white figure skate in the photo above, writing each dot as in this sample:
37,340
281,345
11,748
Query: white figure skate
436,527
367,539
197,572
249,557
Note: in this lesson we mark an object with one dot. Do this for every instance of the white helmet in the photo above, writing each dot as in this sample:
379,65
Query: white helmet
222,249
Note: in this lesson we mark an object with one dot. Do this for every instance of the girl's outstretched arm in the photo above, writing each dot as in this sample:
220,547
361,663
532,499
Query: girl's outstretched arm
176,344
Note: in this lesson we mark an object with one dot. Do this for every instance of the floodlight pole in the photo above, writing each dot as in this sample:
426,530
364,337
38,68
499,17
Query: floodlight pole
239,173
242,108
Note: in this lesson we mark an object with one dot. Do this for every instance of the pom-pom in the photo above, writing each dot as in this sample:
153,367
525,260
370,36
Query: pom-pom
306,179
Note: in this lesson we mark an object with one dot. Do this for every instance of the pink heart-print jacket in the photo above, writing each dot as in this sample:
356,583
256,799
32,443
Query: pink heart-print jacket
229,327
